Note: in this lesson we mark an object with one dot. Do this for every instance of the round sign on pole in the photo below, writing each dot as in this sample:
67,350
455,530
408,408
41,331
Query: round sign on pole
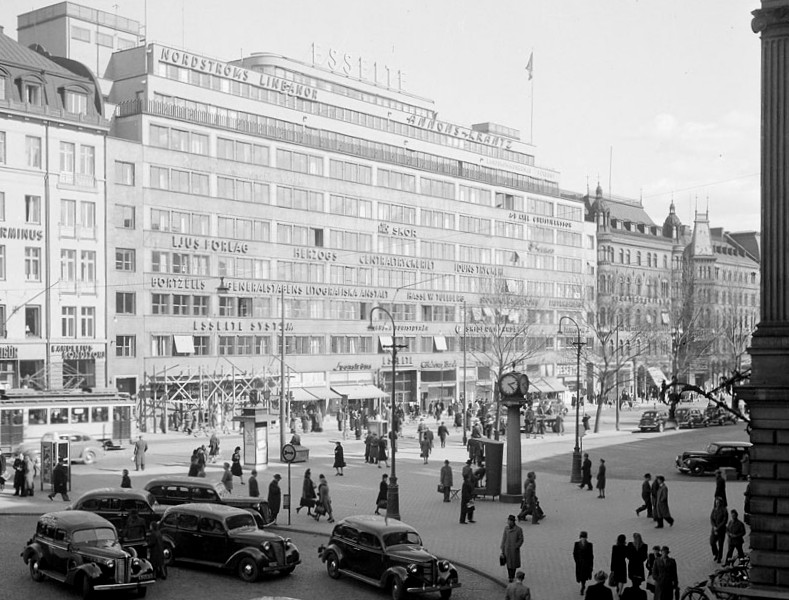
288,453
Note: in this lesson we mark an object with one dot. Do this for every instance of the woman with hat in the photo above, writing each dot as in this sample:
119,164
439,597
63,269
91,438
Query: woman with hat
598,590
307,493
339,458
235,470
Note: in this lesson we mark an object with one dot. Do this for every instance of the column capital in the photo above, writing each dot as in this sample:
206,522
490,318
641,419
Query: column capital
772,13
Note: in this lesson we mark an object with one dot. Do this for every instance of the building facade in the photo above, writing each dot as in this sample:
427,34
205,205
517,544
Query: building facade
52,235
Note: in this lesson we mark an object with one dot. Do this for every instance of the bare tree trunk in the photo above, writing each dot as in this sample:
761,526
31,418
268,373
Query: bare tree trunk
599,411
496,404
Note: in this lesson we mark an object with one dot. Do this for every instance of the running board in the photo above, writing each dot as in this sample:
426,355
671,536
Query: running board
364,578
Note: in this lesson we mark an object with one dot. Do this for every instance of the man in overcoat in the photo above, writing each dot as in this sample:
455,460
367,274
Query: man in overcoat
446,480
274,497
586,473
661,510
664,572
646,495
466,496
583,555
511,542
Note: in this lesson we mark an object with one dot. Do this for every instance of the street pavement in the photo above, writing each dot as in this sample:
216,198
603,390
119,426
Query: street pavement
547,551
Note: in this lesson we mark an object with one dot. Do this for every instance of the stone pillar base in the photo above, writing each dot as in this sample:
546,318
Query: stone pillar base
510,498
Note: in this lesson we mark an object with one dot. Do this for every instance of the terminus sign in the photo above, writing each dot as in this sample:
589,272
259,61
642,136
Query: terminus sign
72,351
221,69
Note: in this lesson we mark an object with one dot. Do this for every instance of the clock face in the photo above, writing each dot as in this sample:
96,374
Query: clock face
523,384
508,384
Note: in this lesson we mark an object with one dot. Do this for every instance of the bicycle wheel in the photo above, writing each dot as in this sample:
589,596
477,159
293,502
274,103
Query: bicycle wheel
693,593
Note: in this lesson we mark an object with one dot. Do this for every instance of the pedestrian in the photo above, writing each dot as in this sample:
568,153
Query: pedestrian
583,555
339,458
368,444
274,497
664,572
307,493
424,448
446,480
125,479
213,447
654,490
467,471
720,487
383,493
140,448
467,500
227,478
517,590
637,552
135,527
19,475
601,479
381,456
736,532
598,591
586,473
30,473
661,509
619,563
60,481
511,542
443,432
324,500
156,550
194,465
646,496
236,469
719,517
634,592
3,466
254,488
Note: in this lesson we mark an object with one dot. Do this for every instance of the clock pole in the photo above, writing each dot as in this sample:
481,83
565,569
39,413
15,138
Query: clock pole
513,388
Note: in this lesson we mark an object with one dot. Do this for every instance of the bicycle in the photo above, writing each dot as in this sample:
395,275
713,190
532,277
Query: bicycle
731,576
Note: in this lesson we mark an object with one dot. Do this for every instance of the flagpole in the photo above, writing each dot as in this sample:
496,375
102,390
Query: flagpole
530,70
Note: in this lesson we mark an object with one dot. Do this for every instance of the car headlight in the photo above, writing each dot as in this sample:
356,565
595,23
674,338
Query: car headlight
412,569
136,565
111,564
443,566
266,546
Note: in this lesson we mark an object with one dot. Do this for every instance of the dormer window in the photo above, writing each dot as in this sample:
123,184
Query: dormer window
32,93
75,102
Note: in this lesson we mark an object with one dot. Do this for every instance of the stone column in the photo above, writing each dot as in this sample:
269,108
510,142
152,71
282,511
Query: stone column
767,393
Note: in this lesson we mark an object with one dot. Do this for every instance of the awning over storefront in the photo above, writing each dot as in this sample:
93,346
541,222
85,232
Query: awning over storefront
359,392
323,393
184,344
302,395
440,342
657,376
546,385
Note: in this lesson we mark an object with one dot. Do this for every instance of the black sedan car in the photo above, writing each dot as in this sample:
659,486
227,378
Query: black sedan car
81,549
714,457
227,538
655,420
388,554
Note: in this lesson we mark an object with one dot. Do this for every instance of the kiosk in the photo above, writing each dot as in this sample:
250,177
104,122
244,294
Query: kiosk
54,447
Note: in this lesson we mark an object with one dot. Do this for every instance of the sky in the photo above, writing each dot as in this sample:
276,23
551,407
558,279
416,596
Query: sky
655,99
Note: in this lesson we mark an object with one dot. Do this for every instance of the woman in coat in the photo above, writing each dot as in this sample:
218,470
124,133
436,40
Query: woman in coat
583,555
383,493
227,478
601,479
339,458
637,552
619,563
661,509
156,550
381,455
236,470
511,542
30,473
324,499
307,494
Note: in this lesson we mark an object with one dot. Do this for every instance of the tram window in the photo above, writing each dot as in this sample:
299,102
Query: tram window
79,415
11,417
58,415
99,414
37,416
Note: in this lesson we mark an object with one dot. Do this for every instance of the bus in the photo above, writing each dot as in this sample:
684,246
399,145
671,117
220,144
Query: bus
26,415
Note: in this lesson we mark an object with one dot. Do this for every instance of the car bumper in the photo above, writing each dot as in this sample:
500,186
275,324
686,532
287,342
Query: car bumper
429,589
123,586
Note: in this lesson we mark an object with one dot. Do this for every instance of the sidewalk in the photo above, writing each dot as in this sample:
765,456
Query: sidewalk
547,552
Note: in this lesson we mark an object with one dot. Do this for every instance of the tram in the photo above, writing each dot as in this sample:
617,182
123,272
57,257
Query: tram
26,415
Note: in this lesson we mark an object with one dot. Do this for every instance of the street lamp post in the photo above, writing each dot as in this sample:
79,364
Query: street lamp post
575,474
393,493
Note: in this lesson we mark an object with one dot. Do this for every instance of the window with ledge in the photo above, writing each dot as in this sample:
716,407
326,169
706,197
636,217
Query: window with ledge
75,102
161,345
33,151
87,322
88,266
32,264
125,216
124,173
68,321
2,133
32,93
33,209
202,345
32,321
125,345
68,213
125,303
2,206
125,259
68,265
67,153
87,215
80,33
160,304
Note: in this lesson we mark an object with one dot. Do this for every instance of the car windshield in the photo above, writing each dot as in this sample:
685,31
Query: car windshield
238,521
402,537
712,448
99,536
649,413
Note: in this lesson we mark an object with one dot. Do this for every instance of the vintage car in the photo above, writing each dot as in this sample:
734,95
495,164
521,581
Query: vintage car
717,455
84,448
115,505
172,490
689,418
81,549
388,554
717,415
227,538
655,420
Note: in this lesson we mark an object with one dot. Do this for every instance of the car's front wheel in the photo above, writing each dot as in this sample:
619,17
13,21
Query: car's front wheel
35,569
398,589
89,457
333,565
697,469
86,586
248,569
169,554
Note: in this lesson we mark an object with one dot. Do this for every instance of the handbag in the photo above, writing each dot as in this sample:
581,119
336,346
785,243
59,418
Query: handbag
440,489
502,560
611,579
381,504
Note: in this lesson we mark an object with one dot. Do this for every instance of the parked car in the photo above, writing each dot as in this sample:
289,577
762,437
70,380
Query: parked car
172,490
717,415
690,418
656,420
115,505
225,537
716,456
388,554
81,549
84,448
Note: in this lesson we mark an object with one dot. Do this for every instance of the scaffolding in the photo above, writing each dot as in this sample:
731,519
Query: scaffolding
171,397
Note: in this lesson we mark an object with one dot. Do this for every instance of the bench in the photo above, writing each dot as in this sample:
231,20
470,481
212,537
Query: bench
484,492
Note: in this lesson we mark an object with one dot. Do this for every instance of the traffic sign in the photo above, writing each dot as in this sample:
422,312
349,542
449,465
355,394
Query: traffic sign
288,453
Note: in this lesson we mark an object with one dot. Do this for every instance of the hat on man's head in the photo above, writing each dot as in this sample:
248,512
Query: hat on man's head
600,576
277,476
468,462
511,518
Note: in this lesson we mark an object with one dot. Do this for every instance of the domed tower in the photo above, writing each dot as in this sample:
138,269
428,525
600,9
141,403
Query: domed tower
599,209
672,226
